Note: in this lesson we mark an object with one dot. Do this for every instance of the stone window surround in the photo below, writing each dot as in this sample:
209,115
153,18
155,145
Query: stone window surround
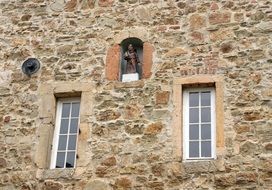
197,81
48,93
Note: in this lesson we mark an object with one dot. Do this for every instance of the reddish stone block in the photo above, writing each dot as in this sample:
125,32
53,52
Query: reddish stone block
123,183
197,21
105,3
113,63
147,60
219,17
214,6
162,97
153,129
70,5
7,119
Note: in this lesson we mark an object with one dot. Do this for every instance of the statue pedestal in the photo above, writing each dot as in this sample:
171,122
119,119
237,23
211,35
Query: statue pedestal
130,77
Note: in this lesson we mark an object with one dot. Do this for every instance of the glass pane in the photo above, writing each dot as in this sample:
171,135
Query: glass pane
73,125
193,132
62,142
206,149
205,131
205,99
193,149
72,142
193,99
64,126
60,160
193,115
65,110
205,114
70,160
75,109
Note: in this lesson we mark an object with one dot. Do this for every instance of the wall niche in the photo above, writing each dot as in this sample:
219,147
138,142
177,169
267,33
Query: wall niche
120,65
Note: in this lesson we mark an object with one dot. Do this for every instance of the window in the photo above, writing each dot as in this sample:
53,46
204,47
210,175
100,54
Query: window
198,117
66,133
199,123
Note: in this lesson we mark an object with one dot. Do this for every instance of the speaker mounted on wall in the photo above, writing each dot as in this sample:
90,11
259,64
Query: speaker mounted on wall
30,66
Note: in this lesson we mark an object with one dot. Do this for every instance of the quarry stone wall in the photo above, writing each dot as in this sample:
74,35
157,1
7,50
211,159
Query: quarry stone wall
127,135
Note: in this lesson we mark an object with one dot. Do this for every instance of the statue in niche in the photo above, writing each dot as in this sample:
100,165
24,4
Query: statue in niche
132,59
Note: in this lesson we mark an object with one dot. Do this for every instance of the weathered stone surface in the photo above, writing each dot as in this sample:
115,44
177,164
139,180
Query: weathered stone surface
105,3
219,17
108,115
123,182
52,185
162,97
127,136
111,161
3,163
96,185
225,179
153,129
112,63
197,21
176,52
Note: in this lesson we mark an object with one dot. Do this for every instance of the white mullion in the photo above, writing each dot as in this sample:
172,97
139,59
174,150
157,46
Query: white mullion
78,121
55,145
199,125
67,141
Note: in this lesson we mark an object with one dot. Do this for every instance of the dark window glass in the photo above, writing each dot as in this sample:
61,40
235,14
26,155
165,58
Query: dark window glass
70,160
65,110
194,149
193,99
75,109
205,131
64,126
194,132
72,142
194,115
205,99
62,142
60,160
205,114
206,149
73,125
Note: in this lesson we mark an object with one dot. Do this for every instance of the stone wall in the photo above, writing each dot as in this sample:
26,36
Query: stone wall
129,141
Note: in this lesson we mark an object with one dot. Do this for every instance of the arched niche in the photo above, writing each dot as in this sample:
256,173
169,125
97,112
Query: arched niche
115,61
138,47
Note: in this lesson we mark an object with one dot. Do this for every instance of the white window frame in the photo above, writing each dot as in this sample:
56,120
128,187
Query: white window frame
54,151
185,97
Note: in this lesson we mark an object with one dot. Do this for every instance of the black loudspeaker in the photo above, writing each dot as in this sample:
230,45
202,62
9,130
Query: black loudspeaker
30,66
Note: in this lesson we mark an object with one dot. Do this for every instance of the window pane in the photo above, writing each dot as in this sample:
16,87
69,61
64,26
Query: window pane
60,160
62,142
75,109
193,99
194,132
65,110
206,149
73,125
193,149
72,142
205,131
70,160
205,99
64,126
205,114
193,115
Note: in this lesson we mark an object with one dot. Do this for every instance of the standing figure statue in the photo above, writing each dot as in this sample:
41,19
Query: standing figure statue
132,60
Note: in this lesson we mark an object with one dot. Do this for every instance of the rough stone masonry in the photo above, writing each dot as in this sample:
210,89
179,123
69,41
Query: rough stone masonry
128,129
